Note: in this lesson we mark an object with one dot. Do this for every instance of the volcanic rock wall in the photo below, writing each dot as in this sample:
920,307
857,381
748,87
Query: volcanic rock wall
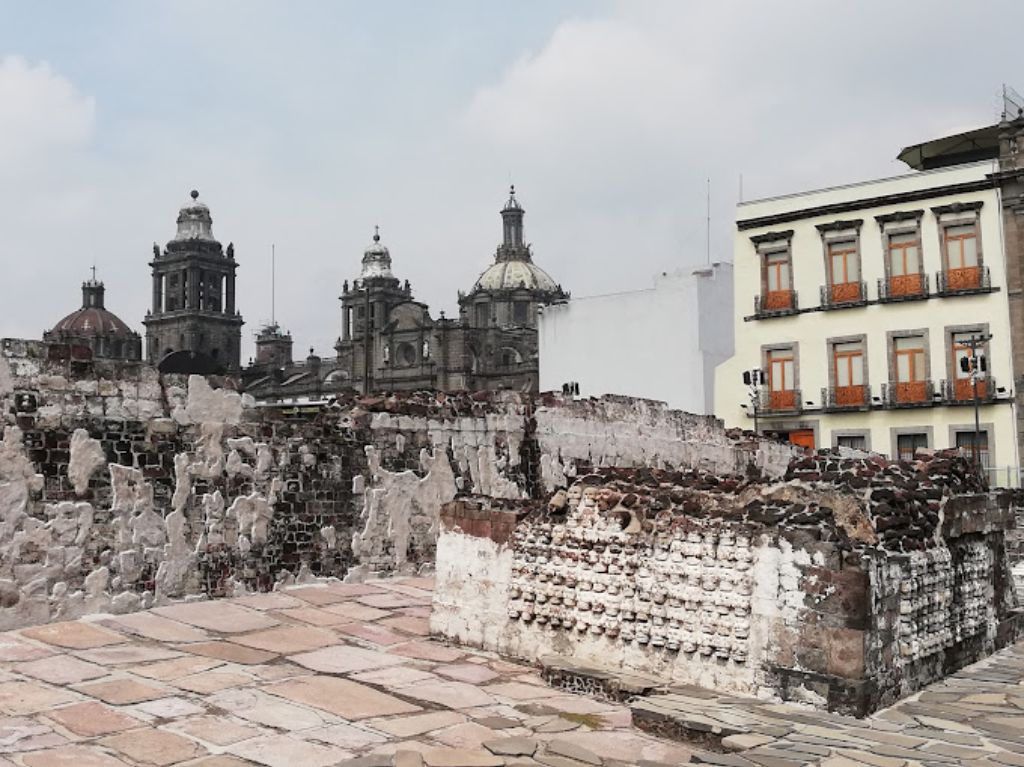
120,487
848,584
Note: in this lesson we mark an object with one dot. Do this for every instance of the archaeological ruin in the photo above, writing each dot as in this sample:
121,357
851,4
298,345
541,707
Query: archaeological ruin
612,532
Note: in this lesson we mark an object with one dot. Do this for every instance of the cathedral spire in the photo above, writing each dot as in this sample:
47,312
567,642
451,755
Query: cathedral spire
513,248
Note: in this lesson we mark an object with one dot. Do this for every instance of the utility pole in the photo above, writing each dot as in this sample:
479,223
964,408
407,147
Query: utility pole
367,356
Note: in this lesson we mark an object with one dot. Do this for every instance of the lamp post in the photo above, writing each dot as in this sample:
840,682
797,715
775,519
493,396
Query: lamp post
754,379
975,365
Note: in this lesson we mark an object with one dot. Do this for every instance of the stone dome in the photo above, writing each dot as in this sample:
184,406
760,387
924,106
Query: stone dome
376,259
194,220
512,275
93,319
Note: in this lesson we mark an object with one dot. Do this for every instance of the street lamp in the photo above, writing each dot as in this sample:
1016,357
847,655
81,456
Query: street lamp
975,365
754,379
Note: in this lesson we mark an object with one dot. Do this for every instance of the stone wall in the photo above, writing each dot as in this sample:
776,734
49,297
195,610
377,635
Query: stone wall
847,583
120,487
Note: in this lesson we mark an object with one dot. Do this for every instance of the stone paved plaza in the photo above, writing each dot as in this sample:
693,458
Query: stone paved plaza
345,674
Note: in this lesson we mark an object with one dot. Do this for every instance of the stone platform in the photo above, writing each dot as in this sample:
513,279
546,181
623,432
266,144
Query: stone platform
307,677
344,674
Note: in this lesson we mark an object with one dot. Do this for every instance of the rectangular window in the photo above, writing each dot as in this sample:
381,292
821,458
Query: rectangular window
482,311
908,444
842,259
961,246
781,379
909,362
848,362
904,254
777,271
520,311
965,443
852,441
777,280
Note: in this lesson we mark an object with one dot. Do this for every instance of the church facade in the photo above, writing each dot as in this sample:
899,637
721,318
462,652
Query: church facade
390,342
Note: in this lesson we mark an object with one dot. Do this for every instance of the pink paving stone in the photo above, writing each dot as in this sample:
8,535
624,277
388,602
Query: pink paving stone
231,652
177,668
353,589
414,612
416,724
271,673
391,600
215,730
354,611
396,676
343,659
223,617
461,757
271,601
91,719
427,583
408,624
285,751
62,669
157,747
424,650
161,629
72,756
467,672
24,734
371,633
221,760
288,639
519,691
316,595
577,704
403,587
343,697
29,697
466,735
314,616
75,635
627,746
13,650
127,653
171,707
451,694
345,736
269,710
120,692
211,681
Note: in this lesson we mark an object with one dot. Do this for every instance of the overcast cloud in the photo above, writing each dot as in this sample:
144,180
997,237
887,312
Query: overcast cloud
305,123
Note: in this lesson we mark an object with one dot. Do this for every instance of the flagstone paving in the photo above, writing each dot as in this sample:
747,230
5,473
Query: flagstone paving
344,674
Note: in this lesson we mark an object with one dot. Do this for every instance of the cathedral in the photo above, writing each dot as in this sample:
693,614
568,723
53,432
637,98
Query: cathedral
390,342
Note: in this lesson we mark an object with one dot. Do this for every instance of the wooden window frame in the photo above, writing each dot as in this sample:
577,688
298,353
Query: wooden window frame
782,399
960,214
852,394
961,387
769,245
916,389
834,233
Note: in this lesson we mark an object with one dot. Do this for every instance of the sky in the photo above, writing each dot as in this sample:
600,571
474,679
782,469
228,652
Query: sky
303,124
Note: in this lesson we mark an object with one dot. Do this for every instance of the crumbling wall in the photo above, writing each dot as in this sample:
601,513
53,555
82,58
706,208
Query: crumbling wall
120,487
850,583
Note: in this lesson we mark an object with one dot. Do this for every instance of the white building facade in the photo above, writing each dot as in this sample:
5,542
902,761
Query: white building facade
859,304
662,343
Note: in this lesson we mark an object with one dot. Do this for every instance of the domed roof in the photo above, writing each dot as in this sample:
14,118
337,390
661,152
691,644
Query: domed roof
194,220
93,322
376,259
509,275
92,319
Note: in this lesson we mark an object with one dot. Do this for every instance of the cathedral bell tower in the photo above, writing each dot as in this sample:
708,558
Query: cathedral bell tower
193,326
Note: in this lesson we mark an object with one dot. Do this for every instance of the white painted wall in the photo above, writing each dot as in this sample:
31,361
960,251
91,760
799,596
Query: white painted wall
662,343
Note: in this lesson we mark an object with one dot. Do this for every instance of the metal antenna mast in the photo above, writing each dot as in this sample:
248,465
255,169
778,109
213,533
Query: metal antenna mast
273,285
707,233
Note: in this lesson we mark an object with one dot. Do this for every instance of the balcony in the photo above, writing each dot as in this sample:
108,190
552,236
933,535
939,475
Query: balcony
784,401
961,390
775,303
844,294
837,399
900,394
904,287
968,280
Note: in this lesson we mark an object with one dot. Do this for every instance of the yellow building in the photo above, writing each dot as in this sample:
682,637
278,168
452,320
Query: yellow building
859,303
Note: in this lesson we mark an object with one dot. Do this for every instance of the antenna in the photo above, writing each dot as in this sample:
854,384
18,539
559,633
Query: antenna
707,233
273,285
741,187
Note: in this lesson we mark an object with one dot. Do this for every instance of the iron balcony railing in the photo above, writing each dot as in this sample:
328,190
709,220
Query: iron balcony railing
784,401
969,279
840,398
960,390
775,302
903,287
897,394
843,294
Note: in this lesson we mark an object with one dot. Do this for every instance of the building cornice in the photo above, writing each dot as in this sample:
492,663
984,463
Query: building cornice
838,208
958,207
900,215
